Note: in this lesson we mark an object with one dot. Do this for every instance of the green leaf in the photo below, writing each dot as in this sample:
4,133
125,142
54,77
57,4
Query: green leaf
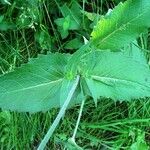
66,23
121,26
133,50
75,14
34,86
91,16
44,39
71,19
73,64
63,26
1,18
4,26
115,76
74,43
140,143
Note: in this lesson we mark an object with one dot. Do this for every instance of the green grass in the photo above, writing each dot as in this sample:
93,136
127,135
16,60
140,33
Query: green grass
111,126
24,33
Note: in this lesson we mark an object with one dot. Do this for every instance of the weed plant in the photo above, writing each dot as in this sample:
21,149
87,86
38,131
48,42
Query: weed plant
32,27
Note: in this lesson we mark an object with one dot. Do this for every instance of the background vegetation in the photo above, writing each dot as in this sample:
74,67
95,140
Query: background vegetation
32,27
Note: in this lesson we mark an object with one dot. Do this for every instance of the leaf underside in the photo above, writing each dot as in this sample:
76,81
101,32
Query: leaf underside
125,23
45,81
115,76
133,50
42,83
34,86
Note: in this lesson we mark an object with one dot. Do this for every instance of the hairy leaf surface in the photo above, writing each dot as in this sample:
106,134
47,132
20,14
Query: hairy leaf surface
115,75
122,25
133,50
34,86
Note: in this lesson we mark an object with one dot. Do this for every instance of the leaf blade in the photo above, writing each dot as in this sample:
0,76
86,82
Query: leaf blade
115,76
114,31
35,86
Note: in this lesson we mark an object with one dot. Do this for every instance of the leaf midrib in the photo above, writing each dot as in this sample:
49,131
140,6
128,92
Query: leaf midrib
122,25
101,79
32,87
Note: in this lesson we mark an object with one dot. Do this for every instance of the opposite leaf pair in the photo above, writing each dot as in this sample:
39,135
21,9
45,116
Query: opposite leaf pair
59,80
45,82
42,83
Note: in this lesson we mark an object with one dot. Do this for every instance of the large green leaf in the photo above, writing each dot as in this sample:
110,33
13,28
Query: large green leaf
115,76
122,25
34,86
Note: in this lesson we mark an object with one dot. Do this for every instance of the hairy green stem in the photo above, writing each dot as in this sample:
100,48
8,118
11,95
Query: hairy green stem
59,116
72,139
78,120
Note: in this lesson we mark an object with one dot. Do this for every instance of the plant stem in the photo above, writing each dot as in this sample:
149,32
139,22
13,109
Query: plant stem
72,139
78,120
59,116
